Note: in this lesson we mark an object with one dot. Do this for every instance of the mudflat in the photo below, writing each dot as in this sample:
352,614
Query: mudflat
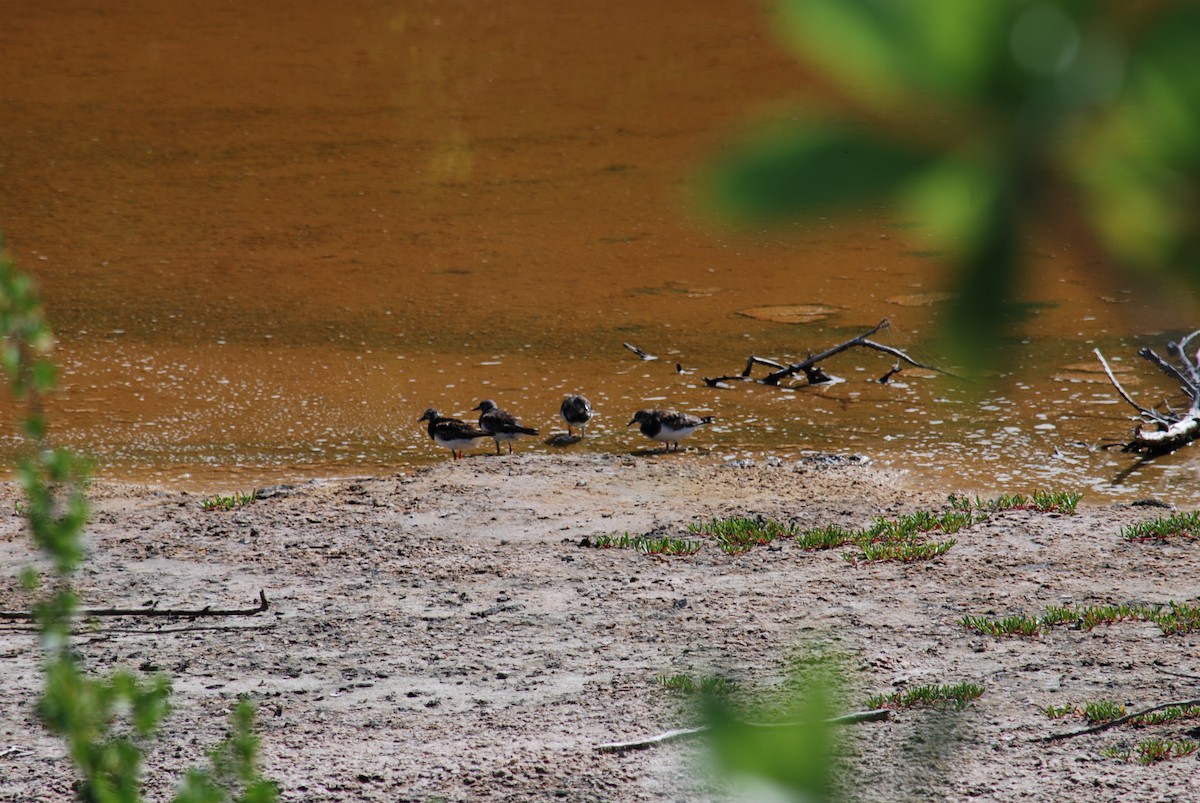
445,634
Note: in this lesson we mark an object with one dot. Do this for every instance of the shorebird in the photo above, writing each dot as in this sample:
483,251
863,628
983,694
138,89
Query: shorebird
576,411
668,426
452,433
501,425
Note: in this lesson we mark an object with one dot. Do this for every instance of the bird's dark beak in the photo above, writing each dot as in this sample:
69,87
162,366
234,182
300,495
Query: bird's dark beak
477,407
631,423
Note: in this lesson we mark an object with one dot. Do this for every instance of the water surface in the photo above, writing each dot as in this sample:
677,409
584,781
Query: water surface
270,236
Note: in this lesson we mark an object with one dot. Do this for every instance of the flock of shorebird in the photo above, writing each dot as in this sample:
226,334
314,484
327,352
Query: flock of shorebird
665,426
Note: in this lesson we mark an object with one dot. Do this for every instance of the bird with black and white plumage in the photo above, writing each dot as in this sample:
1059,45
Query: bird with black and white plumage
667,426
576,411
501,425
453,433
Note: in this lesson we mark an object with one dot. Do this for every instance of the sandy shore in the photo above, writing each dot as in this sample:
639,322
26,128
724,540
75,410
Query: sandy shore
442,635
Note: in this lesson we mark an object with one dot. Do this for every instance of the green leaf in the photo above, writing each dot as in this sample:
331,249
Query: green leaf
814,170
881,50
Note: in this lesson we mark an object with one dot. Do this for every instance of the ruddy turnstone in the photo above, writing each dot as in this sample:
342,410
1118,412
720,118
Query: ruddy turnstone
668,426
452,433
576,411
501,425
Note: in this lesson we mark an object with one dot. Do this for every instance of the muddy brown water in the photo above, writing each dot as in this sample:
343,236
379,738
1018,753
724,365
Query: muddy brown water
270,235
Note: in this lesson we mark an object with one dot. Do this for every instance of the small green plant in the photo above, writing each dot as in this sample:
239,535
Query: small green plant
1175,713
1172,619
957,696
1177,619
1059,711
714,685
646,544
1102,711
1041,501
1177,525
1060,615
1015,625
829,537
896,550
922,521
1056,501
236,500
1151,751
738,534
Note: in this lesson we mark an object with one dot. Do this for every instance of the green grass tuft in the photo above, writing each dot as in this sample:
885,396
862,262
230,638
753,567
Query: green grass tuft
1176,713
714,685
1172,619
646,544
1016,625
1059,711
738,534
1102,711
1177,525
1041,501
896,550
957,696
1151,751
829,537
228,502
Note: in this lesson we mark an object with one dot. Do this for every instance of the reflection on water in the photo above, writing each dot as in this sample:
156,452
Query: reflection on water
270,238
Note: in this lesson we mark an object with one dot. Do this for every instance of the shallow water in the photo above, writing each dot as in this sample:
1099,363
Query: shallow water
271,236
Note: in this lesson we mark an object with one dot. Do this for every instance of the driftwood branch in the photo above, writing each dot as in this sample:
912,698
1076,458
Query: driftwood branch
874,715
1159,433
792,370
1151,414
1112,723
153,610
1186,383
809,366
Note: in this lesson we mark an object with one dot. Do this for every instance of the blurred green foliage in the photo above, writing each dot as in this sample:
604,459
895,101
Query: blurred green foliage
986,122
796,760
107,722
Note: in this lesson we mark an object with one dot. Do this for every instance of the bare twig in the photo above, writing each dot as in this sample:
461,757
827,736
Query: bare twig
808,366
1189,387
1176,674
1178,350
874,715
1112,723
895,352
791,370
151,610
1151,414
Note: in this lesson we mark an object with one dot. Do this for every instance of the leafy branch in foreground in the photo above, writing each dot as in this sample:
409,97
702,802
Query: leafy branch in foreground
106,722
1042,128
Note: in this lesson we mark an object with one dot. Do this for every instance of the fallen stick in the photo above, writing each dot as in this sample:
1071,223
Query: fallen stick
1112,723
1159,433
809,367
875,715
150,610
